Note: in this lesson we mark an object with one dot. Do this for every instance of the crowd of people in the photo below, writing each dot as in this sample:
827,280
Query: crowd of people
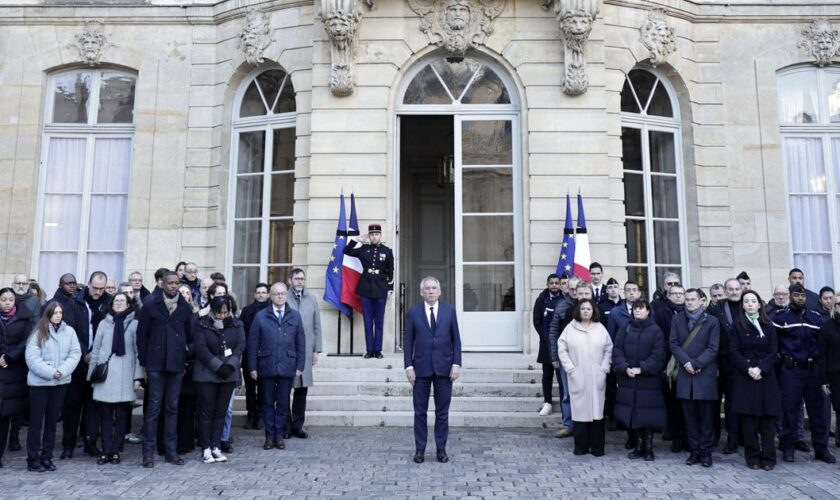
81,357
674,364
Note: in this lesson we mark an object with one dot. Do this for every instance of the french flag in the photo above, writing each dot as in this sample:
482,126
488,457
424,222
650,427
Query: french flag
351,268
582,256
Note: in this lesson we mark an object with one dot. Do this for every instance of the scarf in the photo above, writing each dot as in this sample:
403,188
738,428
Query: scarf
753,319
694,317
170,303
118,344
7,316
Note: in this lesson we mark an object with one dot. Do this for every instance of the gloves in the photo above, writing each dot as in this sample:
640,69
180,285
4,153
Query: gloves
225,371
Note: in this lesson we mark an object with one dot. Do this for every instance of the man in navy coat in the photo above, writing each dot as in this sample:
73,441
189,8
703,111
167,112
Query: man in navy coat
432,350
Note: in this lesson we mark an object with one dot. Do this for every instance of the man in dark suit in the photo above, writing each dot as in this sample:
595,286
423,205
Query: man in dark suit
432,354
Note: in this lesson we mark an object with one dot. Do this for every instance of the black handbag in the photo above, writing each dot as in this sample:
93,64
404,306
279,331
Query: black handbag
100,371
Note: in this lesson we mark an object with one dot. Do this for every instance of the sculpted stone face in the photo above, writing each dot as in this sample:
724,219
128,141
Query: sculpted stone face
577,24
339,26
457,16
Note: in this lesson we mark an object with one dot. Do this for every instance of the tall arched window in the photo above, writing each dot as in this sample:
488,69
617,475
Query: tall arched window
653,195
82,213
262,193
809,113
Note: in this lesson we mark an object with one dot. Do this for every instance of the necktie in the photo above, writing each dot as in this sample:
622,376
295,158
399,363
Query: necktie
597,293
280,315
432,322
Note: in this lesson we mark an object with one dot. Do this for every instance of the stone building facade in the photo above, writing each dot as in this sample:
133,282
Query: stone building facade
138,133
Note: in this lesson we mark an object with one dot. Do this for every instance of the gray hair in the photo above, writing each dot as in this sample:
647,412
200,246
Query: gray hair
428,278
671,274
716,286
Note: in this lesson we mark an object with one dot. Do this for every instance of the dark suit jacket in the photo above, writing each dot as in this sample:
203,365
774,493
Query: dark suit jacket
163,338
432,352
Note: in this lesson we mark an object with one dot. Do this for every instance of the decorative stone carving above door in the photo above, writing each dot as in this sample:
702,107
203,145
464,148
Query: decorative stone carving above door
658,36
255,36
91,43
457,25
821,42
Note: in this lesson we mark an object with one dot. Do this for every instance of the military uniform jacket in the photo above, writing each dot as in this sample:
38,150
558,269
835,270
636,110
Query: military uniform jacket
378,269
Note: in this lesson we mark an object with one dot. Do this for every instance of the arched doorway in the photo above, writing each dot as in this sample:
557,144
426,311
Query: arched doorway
459,212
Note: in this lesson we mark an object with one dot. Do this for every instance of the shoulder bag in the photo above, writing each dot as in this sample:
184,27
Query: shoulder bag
673,366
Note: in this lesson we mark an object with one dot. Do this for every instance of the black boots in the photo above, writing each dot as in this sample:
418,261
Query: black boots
647,445
632,440
643,440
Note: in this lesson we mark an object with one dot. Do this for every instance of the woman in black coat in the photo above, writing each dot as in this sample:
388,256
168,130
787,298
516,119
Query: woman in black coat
15,326
639,357
219,340
828,343
753,350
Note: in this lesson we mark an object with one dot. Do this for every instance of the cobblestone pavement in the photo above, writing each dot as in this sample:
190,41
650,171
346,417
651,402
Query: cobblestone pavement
376,463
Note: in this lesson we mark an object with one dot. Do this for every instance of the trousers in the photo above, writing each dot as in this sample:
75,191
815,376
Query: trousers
373,314
443,396
44,406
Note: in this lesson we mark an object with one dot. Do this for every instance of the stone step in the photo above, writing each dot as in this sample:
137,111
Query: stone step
361,389
468,375
456,419
472,360
389,404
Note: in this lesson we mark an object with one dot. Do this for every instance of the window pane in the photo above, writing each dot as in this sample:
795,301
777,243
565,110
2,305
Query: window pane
425,88
488,238
817,269
249,193
66,165
805,168
815,235
284,149
456,73
111,165
251,152
246,242
487,88
111,263
61,222
798,97
664,191
51,265
116,98
107,222
278,273
489,288
70,99
642,82
243,281
628,101
666,241
636,241
282,195
270,82
662,157
286,103
252,103
832,79
631,148
280,241
634,194
487,190
639,275
486,142
660,103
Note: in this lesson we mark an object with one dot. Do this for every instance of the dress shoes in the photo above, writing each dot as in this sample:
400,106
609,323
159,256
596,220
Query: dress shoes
14,444
378,355
102,460
301,434
48,465
148,462
368,355
693,458
419,457
226,446
115,458
269,444
67,453
730,448
788,455
442,457
706,459
802,446
34,465
174,460
279,444
825,456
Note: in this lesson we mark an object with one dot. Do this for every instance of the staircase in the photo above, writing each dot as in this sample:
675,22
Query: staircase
494,390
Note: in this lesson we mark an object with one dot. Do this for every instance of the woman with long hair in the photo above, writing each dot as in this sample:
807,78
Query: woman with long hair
14,329
52,353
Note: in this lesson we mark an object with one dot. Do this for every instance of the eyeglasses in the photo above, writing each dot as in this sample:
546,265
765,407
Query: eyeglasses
20,282
671,283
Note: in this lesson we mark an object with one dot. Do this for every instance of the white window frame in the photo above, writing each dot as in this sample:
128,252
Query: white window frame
825,132
90,131
650,123
268,124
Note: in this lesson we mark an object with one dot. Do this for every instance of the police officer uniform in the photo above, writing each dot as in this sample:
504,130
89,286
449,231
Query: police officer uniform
376,281
798,329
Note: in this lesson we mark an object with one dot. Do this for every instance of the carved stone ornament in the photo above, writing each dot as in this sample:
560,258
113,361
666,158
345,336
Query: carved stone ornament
658,36
821,42
91,43
457,25
255,36
341,21
576,19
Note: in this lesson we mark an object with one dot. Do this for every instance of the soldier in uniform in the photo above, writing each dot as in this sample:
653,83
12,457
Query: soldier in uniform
375,285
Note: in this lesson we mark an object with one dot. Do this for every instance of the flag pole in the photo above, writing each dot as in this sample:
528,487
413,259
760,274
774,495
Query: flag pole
338,341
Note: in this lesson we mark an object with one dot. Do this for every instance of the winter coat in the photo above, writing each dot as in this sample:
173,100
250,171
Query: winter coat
76,317
118,386
543,307
639,403
163,338
702,353
275,348
307,306
585,353
210,344
828,342
13,388
747,349
60,352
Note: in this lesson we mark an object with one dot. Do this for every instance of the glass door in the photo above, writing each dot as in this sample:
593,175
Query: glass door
487,233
